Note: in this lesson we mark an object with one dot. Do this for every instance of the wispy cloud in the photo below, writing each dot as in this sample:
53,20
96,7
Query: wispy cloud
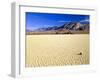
48,25
86,20
63,21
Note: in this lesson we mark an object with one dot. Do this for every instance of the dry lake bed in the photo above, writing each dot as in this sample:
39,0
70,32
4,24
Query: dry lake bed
57,50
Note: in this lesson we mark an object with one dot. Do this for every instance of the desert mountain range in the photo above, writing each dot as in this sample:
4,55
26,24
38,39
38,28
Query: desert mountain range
69,27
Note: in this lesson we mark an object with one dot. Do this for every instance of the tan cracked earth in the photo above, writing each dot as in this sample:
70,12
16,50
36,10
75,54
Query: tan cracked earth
57,50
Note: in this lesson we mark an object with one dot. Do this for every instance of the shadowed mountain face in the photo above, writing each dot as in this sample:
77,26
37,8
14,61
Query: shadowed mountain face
65,28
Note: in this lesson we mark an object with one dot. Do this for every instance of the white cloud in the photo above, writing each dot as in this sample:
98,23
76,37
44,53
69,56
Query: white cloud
86,20
47,25
64,21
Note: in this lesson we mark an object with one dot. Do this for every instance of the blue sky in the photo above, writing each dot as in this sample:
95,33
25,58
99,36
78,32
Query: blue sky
41,20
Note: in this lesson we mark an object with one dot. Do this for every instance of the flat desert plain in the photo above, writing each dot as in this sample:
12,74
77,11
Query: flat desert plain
57,50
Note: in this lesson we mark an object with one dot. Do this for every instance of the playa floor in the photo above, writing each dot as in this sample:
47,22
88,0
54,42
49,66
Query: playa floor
57,50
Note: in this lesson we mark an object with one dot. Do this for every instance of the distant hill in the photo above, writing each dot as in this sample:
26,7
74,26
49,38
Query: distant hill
28,30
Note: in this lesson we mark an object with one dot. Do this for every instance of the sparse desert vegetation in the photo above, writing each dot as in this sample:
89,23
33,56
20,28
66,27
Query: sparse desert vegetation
57,50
